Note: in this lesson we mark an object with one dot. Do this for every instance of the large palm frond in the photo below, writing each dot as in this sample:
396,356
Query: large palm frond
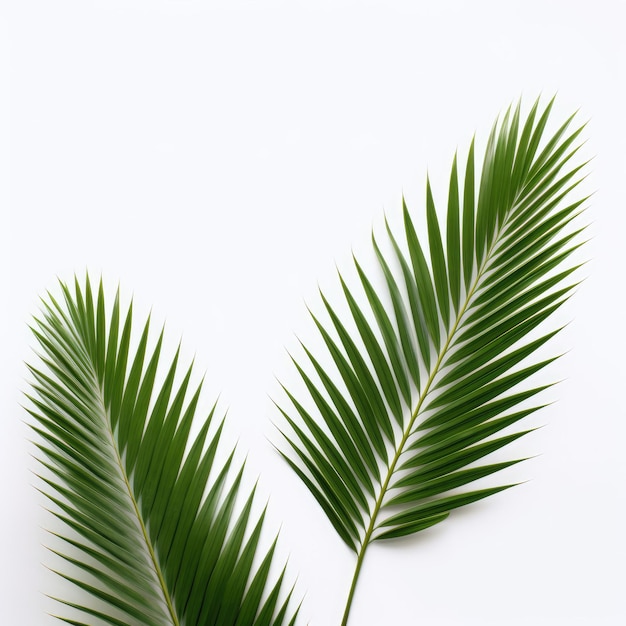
423,388
152,527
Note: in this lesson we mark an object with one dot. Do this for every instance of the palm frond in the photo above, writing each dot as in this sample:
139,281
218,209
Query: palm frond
153,530
438,365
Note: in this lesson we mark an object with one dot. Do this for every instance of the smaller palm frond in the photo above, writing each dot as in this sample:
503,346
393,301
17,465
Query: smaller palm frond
153,528
421,390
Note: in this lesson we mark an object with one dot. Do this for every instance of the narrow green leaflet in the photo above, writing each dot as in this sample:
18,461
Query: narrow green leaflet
398,428
155,532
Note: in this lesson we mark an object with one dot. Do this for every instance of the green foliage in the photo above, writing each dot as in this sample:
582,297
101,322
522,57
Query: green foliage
427,376
152,527
439,366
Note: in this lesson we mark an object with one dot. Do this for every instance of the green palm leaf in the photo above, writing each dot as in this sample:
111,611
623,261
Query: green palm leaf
411,406
152,525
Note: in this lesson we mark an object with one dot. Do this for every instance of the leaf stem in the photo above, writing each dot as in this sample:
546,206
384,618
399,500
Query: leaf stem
367,538
355,578
167,599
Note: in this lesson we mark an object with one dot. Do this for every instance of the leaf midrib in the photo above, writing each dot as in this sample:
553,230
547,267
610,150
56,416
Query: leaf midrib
148,545
367,538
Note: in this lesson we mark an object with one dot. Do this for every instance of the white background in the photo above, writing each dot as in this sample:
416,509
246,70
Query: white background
218,159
